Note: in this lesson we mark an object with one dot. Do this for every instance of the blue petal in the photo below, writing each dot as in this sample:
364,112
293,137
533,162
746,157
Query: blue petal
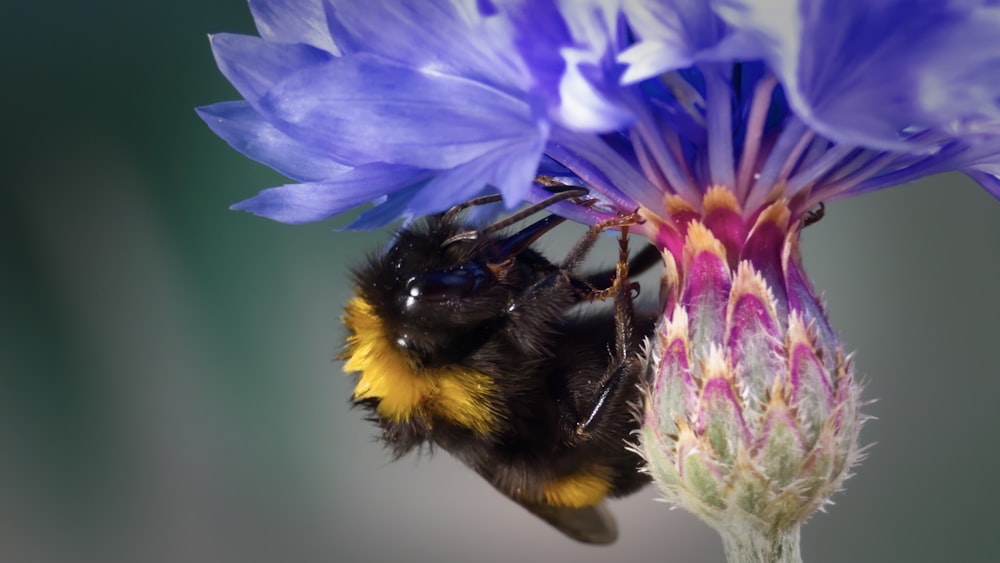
989,181
589,96
977,156
244,129
387,209
307,202
253,65
970,90
673,32
509,172
366,109
539,34
293,21
598,165
676,34
514,171
449,36
549,167
651,58
980,161
866,73
449,188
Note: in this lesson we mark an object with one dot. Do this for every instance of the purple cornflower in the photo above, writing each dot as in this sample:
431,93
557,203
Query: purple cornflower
724,122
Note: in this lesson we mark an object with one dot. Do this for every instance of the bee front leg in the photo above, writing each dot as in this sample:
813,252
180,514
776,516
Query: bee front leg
638,264
549,291
580,250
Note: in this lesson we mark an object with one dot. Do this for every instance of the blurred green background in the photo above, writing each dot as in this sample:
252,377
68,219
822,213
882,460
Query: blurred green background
167,387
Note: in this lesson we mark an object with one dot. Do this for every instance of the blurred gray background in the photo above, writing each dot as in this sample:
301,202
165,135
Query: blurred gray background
167,387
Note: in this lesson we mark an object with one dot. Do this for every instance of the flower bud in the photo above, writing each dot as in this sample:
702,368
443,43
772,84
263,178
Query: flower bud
751,414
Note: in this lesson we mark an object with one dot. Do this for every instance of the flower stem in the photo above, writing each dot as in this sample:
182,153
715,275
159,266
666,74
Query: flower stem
749,544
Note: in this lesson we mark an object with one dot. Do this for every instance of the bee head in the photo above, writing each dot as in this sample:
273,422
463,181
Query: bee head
441,285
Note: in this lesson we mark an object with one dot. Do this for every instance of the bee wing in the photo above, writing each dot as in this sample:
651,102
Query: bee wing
589,524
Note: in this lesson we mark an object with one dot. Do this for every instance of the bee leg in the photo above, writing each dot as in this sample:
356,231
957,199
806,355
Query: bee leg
584,288
622,369
581,288
624,361
645,259
579,251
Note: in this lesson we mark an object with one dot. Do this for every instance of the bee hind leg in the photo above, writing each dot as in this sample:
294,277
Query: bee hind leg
624,364
624,360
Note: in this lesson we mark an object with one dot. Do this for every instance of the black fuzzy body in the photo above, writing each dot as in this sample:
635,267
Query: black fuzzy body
546,361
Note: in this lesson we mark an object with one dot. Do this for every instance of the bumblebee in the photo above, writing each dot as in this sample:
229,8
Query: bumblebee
462,338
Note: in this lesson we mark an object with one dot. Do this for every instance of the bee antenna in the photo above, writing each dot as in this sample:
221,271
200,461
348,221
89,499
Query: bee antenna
532,209
481,200
510,220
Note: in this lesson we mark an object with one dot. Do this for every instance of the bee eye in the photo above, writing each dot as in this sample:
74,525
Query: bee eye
444,285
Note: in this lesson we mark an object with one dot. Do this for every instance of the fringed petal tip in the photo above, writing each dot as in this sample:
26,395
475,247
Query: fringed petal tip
246,131
295,204
254,66
293,21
